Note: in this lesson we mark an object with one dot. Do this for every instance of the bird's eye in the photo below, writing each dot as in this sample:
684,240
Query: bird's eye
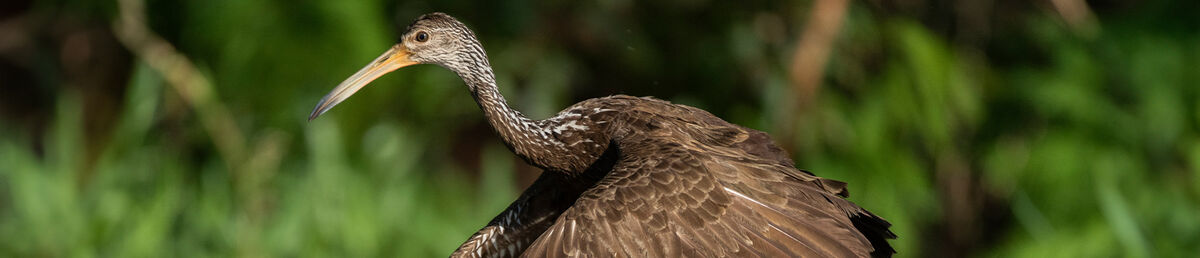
422,36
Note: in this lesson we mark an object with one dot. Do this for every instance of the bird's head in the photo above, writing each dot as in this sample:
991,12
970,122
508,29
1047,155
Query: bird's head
434,38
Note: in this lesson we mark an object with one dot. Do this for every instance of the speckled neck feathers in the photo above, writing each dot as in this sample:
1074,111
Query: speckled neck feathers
561,143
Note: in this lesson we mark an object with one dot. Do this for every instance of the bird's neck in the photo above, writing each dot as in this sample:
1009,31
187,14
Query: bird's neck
532,140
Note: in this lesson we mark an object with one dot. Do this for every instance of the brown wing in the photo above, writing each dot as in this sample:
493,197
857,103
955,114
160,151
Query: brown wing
664,199
524,220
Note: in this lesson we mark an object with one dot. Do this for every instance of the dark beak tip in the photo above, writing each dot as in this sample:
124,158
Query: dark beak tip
316,111
315,114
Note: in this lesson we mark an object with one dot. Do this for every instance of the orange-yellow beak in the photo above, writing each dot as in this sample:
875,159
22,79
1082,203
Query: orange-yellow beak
393,59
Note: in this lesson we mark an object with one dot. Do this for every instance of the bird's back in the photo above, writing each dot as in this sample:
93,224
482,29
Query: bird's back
680,181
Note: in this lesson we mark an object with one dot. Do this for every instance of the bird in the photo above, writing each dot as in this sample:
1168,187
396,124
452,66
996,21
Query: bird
636,176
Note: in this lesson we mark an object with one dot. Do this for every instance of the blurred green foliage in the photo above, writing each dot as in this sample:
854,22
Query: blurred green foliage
1037,137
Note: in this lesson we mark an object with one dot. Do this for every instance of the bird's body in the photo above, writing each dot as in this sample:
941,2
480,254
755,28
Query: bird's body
640,177
672,180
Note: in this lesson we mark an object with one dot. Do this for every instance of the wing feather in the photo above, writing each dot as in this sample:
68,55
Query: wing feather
667,199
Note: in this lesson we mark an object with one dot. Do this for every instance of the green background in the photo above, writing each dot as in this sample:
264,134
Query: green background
978,128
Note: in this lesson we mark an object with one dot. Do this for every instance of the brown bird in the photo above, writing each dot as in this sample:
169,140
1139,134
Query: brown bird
637,177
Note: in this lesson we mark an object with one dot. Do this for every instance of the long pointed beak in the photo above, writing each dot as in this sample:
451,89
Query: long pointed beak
394,58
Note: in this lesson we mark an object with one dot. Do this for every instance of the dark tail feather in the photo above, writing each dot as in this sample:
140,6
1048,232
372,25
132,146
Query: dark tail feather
876,231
